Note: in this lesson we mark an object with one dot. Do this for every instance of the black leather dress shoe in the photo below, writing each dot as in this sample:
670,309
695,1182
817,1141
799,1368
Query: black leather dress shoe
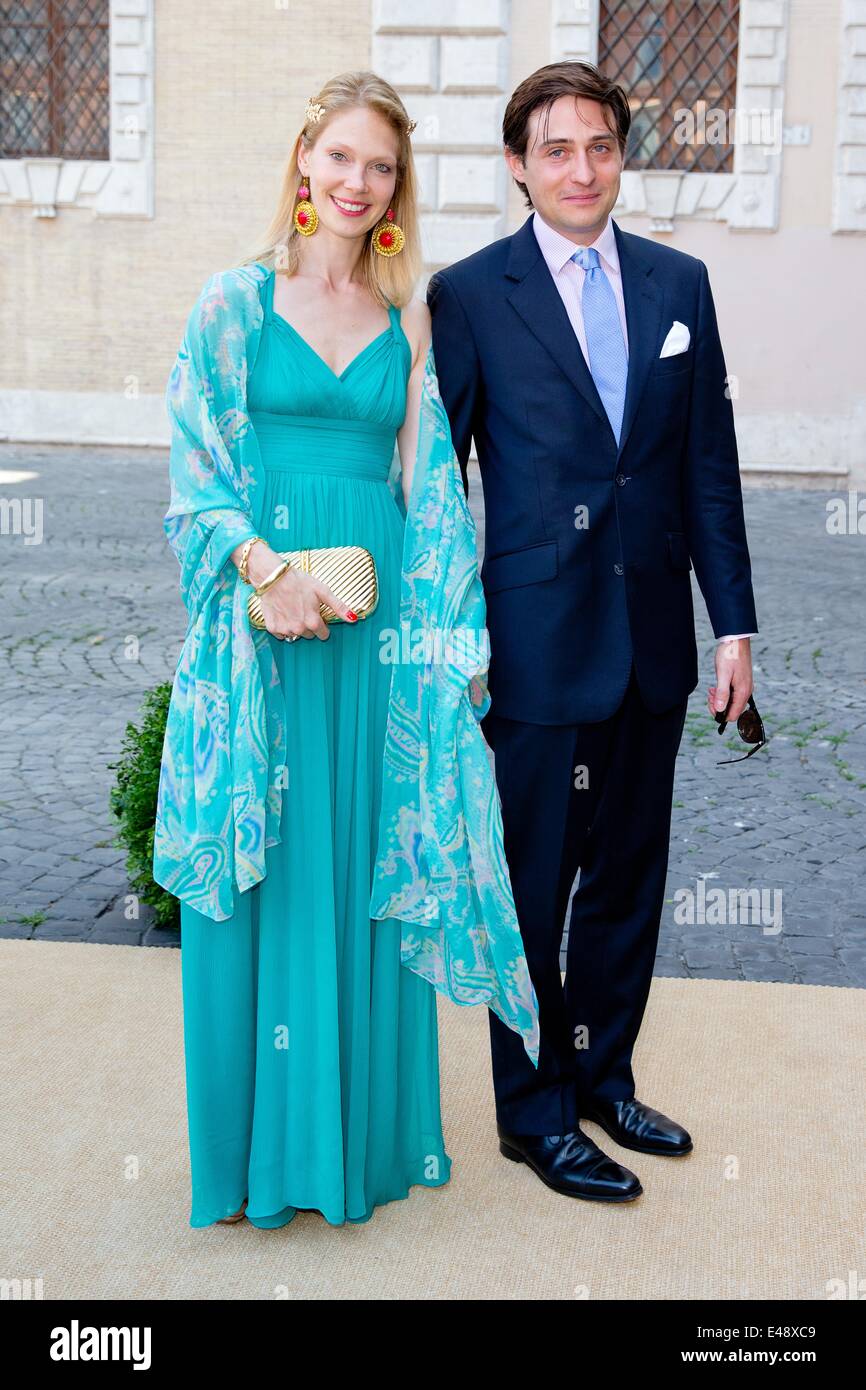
637,1126
572,1164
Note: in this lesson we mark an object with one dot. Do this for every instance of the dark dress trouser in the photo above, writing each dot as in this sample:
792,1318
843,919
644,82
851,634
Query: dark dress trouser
614,826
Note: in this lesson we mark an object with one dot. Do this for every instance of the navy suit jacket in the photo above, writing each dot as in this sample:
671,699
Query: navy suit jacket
571,606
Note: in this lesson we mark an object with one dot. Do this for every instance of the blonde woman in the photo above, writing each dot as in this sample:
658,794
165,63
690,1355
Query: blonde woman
311,813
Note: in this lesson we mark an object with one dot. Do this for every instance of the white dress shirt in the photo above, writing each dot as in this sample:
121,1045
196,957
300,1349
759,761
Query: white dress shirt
568,278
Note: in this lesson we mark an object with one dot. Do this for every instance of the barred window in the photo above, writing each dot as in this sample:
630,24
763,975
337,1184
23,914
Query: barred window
54,79
673,56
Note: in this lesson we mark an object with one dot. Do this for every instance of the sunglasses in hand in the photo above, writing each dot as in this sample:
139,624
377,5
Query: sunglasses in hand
750,727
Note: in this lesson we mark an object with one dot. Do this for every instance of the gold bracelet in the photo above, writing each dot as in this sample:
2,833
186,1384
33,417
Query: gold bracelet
245,556
274,576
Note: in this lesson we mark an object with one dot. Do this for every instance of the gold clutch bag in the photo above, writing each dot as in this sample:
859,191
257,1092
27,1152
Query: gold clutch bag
349,572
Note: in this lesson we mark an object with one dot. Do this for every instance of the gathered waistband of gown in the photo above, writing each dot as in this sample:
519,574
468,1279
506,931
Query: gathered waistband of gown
318,444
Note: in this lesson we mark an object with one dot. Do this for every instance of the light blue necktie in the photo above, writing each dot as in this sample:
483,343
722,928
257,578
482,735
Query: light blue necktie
608,361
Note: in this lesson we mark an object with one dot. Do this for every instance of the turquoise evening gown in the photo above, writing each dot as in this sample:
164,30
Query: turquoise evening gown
311,1053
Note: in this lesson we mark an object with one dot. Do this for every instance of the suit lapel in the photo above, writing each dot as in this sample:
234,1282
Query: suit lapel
643,311
537,301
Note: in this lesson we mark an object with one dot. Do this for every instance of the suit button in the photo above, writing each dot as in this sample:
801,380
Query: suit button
621,479
617,569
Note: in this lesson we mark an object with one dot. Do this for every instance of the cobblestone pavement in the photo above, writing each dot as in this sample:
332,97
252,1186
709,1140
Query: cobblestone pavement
92,618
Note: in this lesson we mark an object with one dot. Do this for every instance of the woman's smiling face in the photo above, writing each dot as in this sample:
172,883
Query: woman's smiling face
351,171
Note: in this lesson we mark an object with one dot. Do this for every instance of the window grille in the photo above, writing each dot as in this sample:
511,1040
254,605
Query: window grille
671,56
54,79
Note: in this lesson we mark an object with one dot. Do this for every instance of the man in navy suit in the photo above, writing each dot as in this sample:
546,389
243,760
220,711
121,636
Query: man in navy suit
586,363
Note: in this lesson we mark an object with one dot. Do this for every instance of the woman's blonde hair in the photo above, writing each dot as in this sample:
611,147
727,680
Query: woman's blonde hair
388,278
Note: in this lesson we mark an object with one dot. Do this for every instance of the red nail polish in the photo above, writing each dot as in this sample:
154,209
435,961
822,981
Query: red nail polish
353,617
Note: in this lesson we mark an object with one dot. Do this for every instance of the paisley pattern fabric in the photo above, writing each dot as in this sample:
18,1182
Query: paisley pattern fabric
441,865
441,868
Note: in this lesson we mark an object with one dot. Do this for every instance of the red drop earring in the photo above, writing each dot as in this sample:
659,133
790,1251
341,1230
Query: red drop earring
306,219
388,237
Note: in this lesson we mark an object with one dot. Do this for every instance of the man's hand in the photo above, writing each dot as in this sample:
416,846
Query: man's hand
733,678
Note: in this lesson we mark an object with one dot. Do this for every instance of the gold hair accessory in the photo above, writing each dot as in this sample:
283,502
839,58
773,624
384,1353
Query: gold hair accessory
315,111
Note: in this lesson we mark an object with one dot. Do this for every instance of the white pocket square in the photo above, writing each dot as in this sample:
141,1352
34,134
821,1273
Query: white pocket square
677,340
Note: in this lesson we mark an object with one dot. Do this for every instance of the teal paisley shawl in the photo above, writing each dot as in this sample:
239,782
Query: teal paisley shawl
440,868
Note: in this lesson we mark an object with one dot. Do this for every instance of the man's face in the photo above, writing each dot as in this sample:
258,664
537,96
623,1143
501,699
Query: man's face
572,168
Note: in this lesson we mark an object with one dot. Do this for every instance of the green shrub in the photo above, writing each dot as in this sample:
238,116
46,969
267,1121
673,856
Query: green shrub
133,802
